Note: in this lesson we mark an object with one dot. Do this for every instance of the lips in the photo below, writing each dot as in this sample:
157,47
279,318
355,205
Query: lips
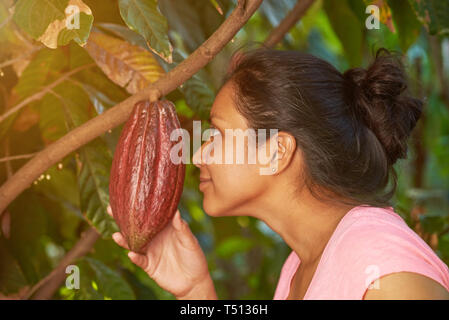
204,182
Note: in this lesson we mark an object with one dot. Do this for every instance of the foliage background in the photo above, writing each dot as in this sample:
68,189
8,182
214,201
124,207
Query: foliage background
127,51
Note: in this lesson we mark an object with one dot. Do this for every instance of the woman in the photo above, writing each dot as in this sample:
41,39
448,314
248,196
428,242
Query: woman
332,177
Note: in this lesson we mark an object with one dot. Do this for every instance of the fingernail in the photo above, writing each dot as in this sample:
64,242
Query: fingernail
132,256
177,221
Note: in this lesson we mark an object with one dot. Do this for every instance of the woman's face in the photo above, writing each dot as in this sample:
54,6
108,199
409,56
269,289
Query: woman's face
229,188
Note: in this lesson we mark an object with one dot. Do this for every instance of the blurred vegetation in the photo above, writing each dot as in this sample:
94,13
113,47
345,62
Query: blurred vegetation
245,256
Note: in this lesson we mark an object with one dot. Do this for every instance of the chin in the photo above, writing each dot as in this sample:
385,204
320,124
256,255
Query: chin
212,209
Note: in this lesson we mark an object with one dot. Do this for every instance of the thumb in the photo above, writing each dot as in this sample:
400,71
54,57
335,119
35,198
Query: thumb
177,221
138,259
183,232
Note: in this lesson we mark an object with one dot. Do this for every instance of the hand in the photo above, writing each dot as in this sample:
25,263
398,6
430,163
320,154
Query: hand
175,260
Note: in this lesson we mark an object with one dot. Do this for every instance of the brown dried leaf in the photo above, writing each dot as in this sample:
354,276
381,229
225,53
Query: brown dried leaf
129,66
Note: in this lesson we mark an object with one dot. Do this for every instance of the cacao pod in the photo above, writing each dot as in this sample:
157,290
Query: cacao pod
145,186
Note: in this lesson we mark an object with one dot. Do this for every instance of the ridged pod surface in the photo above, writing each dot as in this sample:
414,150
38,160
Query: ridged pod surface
145,186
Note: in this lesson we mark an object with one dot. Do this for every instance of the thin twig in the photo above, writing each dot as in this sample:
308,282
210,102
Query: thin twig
22,156
45,90
278,33
5,22
9,171
21,57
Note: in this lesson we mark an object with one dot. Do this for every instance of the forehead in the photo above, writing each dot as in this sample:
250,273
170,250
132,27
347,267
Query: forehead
224,111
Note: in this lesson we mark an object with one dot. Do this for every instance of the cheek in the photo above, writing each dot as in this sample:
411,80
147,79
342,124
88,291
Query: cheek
232,187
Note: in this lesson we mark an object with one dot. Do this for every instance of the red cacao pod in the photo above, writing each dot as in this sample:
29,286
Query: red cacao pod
145,186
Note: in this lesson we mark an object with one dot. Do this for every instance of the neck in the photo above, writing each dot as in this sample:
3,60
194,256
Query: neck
305,223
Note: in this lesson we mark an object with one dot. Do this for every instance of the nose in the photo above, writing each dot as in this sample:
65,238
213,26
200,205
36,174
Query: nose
196,159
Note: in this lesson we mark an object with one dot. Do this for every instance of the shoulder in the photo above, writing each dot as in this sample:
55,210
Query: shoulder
379,248
377,231
407,286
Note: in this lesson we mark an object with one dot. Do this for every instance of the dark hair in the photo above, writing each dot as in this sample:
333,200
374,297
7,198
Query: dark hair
351,128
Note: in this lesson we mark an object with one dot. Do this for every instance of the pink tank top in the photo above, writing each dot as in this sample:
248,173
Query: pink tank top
367,244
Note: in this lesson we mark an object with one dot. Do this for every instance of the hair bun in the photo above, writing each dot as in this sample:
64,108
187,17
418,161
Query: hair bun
378,96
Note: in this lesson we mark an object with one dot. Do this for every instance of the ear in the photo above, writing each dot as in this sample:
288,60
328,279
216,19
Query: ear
284,151
281,149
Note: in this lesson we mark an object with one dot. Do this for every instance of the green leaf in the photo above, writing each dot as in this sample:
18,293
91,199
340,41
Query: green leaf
86,289
78,35
52,121
432,223
110,283
433,14
94,167
34,16
54,22
145,17
12,278
406,23
184,19
197,91
42,70
347,27
12,45
359,8
141,291
234,244
93,162
125,33
29,224
59,184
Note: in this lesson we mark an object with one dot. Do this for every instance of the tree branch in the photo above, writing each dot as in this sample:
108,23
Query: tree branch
288,22
46,288
113,117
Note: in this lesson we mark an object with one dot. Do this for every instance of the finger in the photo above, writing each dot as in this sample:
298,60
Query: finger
177,223
109,210
139,260
184,235
120,240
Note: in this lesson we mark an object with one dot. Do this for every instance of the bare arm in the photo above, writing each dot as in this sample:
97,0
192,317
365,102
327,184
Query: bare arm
407,286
